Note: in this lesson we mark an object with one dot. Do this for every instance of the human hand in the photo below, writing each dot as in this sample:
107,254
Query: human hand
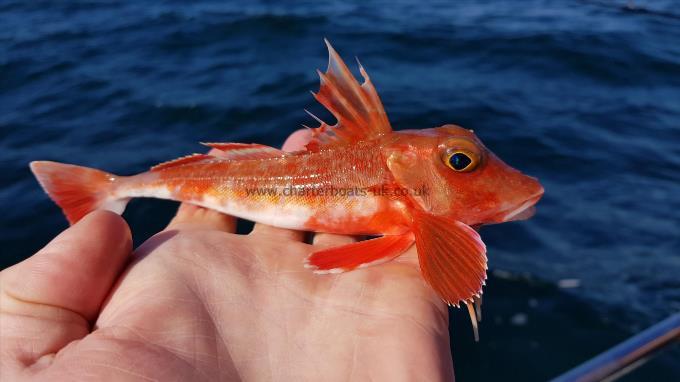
197,302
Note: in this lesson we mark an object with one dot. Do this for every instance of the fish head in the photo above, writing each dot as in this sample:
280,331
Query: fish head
447,171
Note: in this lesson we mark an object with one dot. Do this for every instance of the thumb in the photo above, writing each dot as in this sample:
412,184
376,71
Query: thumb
76,270
58,291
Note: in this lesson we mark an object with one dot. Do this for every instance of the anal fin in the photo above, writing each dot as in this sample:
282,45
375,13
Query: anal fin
358,255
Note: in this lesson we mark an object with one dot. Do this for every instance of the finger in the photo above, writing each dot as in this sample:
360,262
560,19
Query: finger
409,257
194,217
74,272
295,142
263,230
332,240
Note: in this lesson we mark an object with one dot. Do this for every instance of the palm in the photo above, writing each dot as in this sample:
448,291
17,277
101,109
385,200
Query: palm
245,306
201,303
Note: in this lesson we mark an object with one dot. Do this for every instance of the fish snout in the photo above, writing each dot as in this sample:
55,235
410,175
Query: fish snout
523,208
534,189
518,197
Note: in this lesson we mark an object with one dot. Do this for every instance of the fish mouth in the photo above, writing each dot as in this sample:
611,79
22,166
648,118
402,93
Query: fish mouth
521,211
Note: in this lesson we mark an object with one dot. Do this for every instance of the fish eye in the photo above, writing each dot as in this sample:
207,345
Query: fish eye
461,161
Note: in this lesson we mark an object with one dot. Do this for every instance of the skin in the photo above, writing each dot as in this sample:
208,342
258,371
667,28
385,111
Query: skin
198,302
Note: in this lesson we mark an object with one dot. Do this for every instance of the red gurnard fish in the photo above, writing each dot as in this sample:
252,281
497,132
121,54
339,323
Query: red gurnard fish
428,187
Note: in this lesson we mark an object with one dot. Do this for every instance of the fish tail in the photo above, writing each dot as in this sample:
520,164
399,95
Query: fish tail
78,190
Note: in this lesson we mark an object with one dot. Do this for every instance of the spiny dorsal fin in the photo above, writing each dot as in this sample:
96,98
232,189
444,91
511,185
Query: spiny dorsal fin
243,151
181,161
359,112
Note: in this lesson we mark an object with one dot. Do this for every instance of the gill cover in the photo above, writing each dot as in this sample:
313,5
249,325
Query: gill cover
420,177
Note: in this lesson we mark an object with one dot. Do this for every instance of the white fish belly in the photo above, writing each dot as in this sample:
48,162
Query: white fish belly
283,211
285,214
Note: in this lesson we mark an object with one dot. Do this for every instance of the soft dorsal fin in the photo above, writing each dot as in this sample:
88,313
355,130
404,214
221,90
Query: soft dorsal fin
227,152
359,112
181,161
243,151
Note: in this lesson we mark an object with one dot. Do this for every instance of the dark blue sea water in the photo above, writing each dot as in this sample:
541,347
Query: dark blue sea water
585,95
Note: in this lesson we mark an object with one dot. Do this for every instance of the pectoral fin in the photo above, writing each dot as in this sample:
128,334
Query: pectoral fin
358,255
452,257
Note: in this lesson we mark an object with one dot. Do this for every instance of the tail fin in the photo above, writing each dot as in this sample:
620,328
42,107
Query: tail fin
77,190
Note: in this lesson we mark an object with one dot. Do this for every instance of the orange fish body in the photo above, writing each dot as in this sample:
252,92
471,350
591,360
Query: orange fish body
428,187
